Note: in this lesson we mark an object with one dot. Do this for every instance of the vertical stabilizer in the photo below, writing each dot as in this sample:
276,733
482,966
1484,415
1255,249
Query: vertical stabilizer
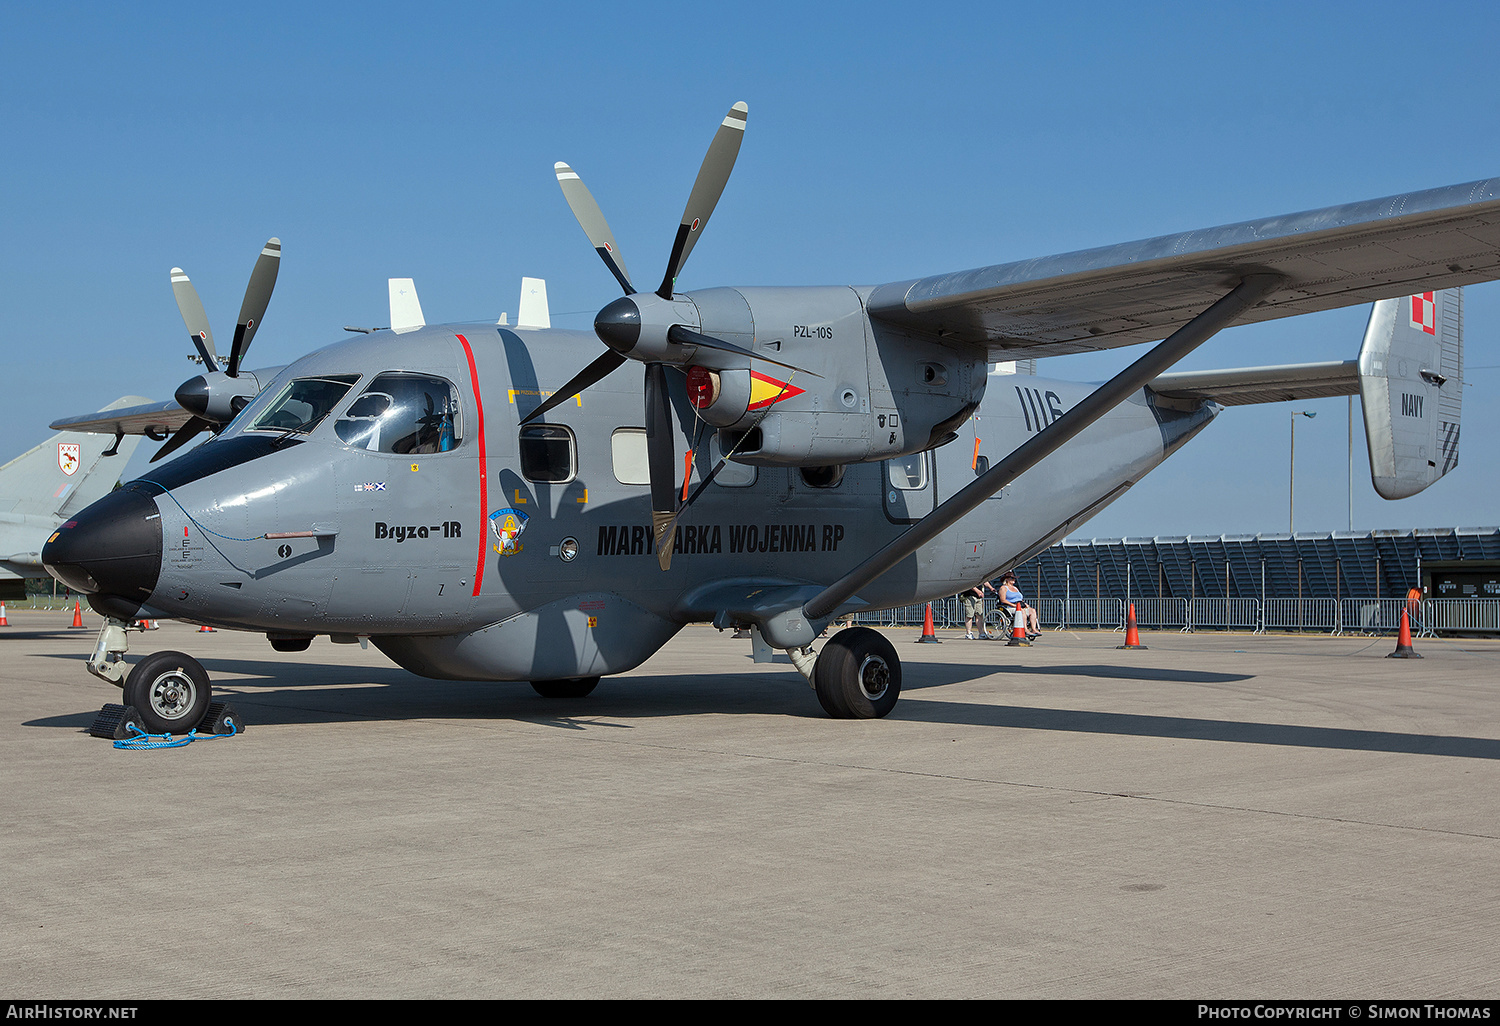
1411,389
66,472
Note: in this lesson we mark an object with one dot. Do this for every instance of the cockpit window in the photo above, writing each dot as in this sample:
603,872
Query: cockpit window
303,403
409,414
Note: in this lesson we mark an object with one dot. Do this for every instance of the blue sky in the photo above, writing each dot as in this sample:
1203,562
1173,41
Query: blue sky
885,141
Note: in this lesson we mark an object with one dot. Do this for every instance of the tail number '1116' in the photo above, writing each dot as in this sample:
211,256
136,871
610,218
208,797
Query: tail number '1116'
1039,408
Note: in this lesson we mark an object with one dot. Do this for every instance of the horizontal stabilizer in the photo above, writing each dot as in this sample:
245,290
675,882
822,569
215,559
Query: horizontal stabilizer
1247,385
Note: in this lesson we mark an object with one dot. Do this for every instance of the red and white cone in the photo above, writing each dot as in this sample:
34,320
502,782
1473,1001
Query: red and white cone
1403,642
929,636
3,621
1018,629
1132,635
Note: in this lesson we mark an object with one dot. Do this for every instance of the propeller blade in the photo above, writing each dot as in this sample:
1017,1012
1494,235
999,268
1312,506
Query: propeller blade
659,453
712,177
583,379
687,337
191,308
257,298
591,220
182,436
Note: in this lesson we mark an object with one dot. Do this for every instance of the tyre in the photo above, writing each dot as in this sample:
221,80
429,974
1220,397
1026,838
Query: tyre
574,687
857,675
170,690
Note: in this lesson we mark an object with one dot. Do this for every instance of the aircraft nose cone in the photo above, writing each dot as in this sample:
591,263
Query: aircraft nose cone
111,551
618,325
192,395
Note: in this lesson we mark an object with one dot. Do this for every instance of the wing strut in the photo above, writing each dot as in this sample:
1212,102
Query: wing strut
1184,340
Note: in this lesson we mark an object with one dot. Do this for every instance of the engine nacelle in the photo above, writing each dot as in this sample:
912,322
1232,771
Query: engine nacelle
217,397
863,393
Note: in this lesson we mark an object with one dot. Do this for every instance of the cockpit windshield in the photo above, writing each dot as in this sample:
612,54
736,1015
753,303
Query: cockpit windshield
403,413
303,403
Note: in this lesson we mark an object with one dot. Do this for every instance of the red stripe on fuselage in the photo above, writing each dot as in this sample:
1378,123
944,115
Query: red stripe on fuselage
484,471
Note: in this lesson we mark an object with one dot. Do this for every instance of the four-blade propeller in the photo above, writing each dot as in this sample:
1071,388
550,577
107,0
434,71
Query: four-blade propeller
619,324
197,395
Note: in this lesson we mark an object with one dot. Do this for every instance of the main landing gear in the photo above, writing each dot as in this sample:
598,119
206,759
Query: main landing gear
857,675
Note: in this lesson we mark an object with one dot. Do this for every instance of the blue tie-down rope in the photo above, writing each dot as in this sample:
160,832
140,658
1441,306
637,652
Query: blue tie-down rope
143,741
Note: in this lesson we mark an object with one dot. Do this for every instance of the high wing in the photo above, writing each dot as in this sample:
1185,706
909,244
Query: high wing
1248,385
155,420
1141,291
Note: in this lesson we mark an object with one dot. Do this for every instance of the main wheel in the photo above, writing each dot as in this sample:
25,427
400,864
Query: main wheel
170,690
574,687
857,675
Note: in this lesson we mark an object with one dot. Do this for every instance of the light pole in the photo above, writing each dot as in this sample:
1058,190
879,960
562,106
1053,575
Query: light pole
1291,505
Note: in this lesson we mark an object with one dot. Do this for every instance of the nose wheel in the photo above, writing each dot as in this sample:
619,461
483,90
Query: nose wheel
170,690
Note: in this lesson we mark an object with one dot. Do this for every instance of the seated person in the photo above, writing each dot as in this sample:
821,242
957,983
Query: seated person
1011,599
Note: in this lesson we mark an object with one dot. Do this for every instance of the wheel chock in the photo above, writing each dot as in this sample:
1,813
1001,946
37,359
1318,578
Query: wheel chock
221,719
117,722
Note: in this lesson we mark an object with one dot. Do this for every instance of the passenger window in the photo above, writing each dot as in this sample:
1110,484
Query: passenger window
304,402
410,414
909,473
628,451
548,454
732,475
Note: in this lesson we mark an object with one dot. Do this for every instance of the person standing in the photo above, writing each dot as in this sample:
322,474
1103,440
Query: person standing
972,603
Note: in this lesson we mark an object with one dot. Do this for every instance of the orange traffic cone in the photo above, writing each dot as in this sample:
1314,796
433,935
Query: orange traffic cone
77,615
3,621
1132,636
929,636
1403,641
206,629
1018,630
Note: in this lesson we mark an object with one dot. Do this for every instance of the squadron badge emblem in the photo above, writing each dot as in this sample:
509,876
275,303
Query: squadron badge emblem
508,525
68,456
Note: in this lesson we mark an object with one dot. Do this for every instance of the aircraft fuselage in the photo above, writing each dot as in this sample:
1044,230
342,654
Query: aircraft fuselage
513,553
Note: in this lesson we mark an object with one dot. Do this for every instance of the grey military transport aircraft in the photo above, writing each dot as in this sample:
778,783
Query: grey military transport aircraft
479,507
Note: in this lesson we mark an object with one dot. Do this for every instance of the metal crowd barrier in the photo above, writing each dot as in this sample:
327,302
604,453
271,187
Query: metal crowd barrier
1161,613
1225,614
1460,614
1345,616
1087,612
1370,615
1302,614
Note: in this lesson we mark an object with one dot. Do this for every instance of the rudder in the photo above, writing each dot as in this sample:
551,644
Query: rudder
1411,389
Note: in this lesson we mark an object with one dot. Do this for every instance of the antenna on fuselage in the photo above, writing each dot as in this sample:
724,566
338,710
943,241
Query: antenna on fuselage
406,308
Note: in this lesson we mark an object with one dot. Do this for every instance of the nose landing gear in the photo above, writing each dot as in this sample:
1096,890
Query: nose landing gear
170,690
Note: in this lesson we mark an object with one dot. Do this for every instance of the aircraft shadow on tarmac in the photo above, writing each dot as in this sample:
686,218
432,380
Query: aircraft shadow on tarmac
287,693
916,676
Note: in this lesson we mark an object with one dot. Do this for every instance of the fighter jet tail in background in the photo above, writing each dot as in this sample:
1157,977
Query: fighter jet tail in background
44,486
